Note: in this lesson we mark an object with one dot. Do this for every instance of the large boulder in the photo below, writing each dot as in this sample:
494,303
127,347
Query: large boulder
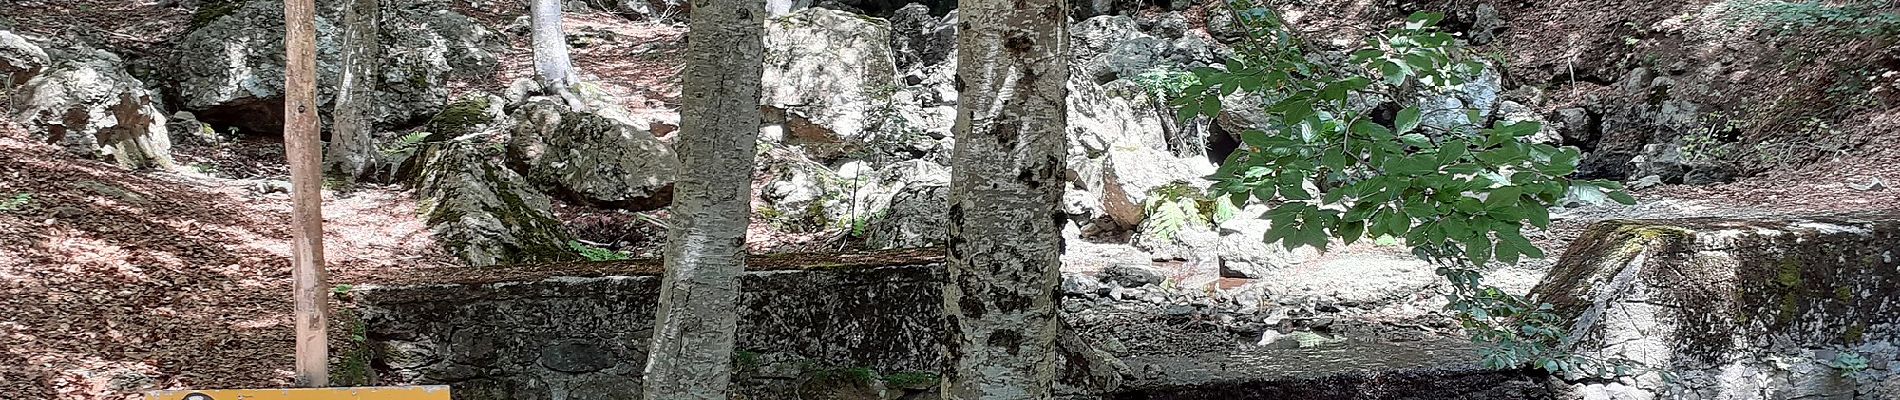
921,39
87,102
1109,47
830,72
799,194
594,159
1119,148
803,195
1645,108
19,59
230,69
482,212
1771,308
915,218
1112,47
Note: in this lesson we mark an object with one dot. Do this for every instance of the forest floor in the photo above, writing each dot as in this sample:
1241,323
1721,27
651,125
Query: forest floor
116,281
113,282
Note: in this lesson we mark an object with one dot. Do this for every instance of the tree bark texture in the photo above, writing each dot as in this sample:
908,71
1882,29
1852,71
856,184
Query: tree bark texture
691,348
1005,239
352,140
302,149
552,65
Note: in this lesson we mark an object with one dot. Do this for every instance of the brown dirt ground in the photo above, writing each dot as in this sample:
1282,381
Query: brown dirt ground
115,281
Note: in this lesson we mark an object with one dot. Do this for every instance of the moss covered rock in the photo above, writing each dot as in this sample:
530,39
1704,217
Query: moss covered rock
229,69
1737,308
593,158
482,212
465,116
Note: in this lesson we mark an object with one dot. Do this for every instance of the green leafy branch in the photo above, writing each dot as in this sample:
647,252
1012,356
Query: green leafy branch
1460,196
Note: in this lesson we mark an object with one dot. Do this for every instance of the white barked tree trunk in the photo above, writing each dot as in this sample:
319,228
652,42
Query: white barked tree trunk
352,141
552,65
1005,240
691,349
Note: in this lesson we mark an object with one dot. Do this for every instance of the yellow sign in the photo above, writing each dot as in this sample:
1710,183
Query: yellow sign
363,393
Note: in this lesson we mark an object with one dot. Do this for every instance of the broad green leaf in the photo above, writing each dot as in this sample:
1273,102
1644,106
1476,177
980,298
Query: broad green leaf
1478,249
1188,110
1294,192
1416,140
1520,128
1418,62
1452,151
1394,73
1264,193
1352,231
1333,158
1366,54
1538,215
1297,112
1371,129
1622,197
1255,138
1500,156
1503,197
1423,19
1407,120
1412,166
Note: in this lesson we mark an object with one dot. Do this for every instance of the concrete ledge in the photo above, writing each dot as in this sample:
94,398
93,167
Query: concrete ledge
1737,308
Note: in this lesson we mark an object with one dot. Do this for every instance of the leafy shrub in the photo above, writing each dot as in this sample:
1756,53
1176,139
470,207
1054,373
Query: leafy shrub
1460,196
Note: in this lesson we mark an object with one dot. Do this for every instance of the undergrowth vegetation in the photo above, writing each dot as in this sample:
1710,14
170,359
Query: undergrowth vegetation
1459,194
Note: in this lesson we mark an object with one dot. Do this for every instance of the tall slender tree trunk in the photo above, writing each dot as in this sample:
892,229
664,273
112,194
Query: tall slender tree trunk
552,66
691,354
351,135
304,153
1005,240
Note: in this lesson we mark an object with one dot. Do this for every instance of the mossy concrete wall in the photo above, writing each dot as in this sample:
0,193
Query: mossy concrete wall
577,338
1797,307
813,328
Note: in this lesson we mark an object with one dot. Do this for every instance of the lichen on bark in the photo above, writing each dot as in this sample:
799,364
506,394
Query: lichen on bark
1005,236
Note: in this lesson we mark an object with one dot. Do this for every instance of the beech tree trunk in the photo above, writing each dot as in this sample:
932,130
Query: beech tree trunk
552,65
352,143
1005,240
693,333
304,153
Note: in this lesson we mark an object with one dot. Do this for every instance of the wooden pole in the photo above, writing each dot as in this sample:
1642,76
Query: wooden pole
303,149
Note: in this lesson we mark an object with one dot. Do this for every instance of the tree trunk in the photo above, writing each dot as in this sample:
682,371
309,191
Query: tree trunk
303,152
552,66
1005,240
691,354
351,135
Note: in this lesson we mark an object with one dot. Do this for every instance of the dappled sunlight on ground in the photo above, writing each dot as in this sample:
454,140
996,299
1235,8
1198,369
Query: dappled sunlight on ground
116,281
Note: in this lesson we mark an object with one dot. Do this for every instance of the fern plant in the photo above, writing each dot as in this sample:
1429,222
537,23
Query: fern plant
18,201
592,253
1178,205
